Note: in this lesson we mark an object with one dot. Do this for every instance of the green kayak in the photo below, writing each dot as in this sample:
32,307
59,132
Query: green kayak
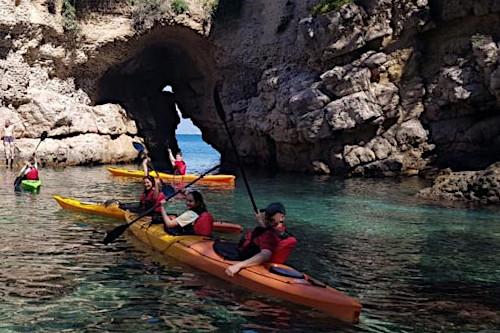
32,185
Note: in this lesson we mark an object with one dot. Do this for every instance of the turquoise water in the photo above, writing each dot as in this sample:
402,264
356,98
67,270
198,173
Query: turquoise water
415,267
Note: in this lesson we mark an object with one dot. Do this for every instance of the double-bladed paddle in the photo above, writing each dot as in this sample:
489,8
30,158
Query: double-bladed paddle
222,116
19,178
118,231
165,188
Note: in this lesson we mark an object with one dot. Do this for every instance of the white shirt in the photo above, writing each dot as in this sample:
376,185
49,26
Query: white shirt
8,130
186,218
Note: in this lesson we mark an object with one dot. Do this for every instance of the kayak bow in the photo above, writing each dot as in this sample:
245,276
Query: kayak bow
31,185
114,211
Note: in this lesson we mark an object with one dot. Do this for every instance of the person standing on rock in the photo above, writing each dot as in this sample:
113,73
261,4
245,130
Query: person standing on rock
8,142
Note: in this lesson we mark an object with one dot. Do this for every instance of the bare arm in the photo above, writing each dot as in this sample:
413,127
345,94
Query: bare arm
145,166
259,258
171,156
169,223
156,188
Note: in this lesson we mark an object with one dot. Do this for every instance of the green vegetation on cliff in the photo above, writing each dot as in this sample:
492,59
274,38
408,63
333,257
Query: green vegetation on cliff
325,6
69,19
179,6
146,12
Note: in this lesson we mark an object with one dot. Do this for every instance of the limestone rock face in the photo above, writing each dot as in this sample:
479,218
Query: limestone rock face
86,149
38,98
52,73
373,88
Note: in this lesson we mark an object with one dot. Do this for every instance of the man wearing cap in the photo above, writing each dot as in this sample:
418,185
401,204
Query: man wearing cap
258,244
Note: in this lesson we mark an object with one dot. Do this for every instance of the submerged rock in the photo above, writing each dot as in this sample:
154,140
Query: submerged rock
479,186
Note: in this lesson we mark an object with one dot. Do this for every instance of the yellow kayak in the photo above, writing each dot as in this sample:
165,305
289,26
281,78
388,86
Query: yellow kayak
272,279
114,211
166,176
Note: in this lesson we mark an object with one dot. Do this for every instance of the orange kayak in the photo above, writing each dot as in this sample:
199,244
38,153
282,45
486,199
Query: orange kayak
198,251
114,211
170,177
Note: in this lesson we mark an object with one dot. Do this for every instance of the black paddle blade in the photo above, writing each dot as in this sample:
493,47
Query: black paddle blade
167,190
218,104
138,146
44,135
17,182
115,233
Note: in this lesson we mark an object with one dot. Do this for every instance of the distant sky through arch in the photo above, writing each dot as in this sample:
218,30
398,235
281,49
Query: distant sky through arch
186,126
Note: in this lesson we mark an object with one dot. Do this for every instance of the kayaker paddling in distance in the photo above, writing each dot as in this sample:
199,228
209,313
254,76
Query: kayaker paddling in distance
267,242
177,162
31,171
194,221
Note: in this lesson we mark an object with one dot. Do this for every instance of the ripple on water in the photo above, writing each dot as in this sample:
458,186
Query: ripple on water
414,267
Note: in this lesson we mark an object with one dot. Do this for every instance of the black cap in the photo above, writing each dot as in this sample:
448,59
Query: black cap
273,208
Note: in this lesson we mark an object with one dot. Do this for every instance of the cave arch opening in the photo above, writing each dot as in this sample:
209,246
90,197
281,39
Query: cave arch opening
138,85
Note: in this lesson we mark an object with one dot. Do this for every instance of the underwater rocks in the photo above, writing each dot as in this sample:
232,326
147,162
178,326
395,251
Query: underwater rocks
478,186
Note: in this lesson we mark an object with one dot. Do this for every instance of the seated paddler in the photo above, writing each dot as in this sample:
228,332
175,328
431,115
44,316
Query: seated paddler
194,221
268,242
31,170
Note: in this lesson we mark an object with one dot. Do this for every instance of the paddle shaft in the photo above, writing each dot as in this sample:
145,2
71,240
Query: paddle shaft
118,231
151,166
157,174
36,148
222,115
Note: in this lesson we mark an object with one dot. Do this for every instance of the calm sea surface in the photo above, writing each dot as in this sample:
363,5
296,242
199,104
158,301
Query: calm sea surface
414,267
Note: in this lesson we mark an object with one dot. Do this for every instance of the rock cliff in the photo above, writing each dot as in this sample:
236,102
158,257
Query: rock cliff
373,88
376,88
38,92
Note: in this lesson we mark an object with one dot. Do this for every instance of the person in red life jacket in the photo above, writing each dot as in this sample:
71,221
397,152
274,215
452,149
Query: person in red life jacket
177,162
195,221
269,242
151,195
31,172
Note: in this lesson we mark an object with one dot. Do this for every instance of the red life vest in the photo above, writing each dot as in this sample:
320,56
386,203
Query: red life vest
247,248
283,250
204,224
148,200
32,174
179,168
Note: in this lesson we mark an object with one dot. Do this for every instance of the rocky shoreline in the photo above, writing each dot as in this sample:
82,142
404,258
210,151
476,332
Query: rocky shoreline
373,88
